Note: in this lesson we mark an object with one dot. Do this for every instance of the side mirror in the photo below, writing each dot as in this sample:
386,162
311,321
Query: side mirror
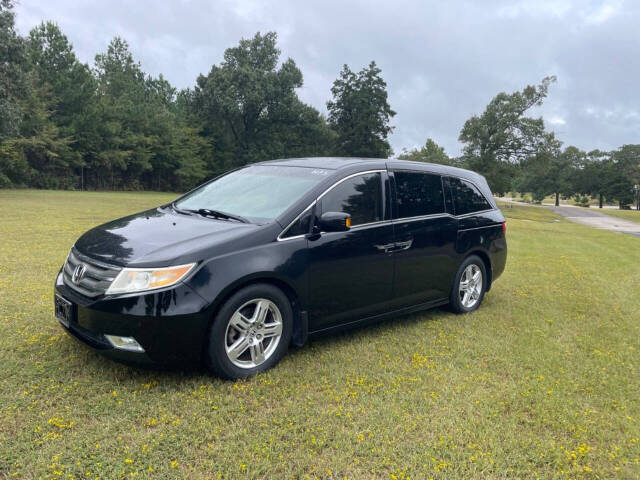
335,222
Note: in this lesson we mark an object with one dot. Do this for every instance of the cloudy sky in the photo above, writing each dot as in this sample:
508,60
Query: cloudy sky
443,61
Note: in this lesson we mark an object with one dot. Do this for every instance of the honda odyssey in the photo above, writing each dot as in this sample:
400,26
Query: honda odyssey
237,270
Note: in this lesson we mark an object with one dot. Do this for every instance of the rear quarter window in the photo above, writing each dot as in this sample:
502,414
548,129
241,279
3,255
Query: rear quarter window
466,197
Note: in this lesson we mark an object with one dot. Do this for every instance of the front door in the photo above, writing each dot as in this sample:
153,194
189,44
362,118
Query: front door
351,273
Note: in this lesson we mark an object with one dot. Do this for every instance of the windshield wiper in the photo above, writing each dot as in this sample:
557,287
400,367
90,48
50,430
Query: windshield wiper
179,210
207,212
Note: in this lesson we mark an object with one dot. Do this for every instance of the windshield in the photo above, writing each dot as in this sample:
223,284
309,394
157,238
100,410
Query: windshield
258,193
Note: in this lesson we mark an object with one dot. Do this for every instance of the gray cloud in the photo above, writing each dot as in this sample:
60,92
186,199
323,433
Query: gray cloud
443,61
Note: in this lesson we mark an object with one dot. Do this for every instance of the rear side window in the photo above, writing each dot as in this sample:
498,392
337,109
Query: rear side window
466,197
418,194
360,197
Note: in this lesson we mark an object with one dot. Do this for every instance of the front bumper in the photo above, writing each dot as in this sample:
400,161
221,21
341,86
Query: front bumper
171,325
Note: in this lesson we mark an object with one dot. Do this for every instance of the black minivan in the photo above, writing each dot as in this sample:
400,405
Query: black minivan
236,270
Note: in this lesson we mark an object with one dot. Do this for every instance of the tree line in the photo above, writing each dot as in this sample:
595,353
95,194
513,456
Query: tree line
65,124
515,152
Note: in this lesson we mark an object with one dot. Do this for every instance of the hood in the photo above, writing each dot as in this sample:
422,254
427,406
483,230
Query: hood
157,237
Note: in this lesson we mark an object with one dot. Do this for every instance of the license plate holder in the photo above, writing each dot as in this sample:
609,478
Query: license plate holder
63,310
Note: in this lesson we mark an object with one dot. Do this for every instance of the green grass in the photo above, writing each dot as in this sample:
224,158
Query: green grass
514,211
633,215
541,382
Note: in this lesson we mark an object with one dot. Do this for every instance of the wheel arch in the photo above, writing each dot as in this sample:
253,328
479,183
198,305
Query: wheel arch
487,264
299,316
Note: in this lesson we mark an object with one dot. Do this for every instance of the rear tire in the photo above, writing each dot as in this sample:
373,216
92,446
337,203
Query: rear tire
469,285
250,333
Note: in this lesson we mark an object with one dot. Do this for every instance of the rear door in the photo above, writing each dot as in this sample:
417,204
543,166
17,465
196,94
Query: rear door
351,273
425,236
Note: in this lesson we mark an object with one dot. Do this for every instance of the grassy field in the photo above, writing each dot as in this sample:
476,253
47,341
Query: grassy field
541,382
633,215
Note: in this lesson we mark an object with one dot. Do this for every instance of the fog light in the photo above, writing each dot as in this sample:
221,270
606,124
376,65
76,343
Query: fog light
125,343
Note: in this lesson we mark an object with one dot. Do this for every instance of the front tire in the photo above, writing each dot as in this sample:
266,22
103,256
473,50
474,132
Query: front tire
250,333
469,285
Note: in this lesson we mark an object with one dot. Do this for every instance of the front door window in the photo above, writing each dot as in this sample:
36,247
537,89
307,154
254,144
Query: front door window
359,196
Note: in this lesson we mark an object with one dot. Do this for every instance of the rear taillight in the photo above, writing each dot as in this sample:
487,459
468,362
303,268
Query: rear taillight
504,227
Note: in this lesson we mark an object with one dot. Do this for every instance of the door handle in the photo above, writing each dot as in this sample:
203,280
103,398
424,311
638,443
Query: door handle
406,245
396,246
386,248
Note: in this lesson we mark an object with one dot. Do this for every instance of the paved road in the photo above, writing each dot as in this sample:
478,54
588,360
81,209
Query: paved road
593,218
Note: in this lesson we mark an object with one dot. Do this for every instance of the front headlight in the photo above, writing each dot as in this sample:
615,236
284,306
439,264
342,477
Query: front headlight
140,279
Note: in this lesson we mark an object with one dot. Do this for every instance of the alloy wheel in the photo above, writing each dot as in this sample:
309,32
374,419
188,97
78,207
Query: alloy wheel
470,287
253,333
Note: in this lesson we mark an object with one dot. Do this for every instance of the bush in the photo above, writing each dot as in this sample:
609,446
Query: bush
5,182
538,197
581,201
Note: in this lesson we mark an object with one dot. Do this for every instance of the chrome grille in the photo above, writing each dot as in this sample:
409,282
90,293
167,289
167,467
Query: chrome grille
97,275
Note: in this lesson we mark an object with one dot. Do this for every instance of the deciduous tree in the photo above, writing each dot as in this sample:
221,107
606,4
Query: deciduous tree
430,153
250,108
551,171
624,174
502,136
